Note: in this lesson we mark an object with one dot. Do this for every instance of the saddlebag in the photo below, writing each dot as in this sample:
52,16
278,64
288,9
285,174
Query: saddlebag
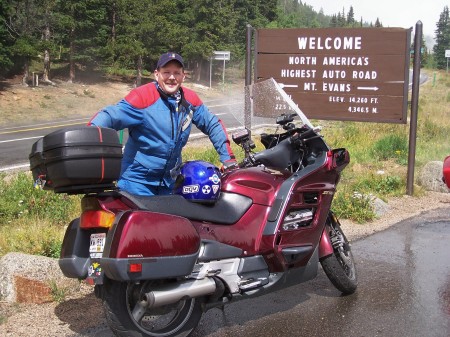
77,160
141,245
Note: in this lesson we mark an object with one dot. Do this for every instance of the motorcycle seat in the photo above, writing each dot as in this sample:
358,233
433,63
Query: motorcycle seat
227,210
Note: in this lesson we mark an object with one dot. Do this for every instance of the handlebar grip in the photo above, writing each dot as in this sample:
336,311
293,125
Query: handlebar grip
307,134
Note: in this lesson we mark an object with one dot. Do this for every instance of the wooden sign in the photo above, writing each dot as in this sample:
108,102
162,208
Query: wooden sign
359,74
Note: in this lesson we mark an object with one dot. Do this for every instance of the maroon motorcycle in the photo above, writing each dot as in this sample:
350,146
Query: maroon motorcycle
446,171
159,262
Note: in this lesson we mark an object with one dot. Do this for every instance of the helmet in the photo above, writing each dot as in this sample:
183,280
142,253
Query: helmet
198,181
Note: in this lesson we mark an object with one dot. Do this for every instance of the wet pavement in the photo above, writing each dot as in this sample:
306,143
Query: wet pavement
404,290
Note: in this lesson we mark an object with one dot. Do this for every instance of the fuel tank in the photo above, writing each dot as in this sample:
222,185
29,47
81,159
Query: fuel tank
258,183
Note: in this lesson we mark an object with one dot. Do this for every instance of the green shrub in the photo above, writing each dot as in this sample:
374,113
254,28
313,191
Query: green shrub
19,199
32,237
381,184
353,206
33,220
392,146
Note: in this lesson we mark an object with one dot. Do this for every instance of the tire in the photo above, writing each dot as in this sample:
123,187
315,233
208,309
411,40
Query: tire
340,266
177,320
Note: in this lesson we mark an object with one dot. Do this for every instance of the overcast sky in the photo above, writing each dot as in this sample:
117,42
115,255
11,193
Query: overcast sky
391,13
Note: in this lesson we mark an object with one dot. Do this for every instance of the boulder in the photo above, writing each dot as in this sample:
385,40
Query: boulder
430,177
31,279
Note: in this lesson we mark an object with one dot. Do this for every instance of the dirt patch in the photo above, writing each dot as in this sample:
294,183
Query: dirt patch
21,105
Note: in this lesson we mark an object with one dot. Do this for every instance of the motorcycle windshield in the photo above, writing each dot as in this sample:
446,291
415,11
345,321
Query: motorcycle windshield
268,99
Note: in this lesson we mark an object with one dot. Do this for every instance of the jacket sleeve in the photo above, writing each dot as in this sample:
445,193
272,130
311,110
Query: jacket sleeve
212,126
120,116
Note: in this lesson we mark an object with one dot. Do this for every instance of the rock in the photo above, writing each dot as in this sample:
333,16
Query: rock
31,279
430,177
380,207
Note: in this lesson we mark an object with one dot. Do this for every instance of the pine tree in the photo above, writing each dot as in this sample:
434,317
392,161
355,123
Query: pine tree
378,23
5,40
351,17
442,39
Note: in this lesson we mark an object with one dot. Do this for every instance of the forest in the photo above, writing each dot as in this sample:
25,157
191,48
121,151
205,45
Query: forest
115,36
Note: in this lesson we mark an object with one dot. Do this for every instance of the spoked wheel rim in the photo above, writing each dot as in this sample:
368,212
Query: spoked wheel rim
342,251
163,321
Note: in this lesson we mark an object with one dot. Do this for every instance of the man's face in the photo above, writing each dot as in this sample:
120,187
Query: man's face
170,77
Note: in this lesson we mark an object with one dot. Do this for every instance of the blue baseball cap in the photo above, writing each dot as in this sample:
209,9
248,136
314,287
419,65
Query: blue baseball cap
167,57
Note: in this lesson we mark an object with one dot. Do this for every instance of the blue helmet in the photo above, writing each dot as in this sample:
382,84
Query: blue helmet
198,181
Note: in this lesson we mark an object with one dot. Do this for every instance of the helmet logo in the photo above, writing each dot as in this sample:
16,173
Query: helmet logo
198,181
215,178
190,189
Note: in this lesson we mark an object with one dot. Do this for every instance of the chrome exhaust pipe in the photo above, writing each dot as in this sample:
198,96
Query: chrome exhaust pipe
172,293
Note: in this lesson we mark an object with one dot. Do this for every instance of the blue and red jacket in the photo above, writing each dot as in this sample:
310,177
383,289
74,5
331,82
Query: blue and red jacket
158,128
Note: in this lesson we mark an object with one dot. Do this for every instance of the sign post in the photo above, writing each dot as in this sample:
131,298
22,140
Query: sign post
358,74
219,55
414,110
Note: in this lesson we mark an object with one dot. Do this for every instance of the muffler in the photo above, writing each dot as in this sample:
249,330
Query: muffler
172,293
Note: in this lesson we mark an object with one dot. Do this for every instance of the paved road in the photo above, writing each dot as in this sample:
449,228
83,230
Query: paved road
16,142
404,290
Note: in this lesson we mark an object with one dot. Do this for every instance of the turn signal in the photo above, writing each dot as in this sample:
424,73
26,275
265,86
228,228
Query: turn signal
98,218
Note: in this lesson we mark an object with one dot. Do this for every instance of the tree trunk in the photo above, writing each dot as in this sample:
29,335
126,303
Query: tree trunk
139,72
113,31
46,74
71,59
26,73
197,71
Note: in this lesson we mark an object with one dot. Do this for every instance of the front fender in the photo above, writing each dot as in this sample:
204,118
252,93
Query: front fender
325,246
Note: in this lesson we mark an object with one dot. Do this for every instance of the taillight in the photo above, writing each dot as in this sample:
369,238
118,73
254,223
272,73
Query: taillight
97,218
135,267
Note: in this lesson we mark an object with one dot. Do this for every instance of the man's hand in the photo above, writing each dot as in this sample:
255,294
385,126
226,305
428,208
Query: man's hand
229,165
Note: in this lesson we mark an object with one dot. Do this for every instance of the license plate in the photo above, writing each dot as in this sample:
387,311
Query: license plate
97,245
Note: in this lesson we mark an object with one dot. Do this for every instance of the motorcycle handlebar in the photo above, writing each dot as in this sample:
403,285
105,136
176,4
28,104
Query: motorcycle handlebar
284,152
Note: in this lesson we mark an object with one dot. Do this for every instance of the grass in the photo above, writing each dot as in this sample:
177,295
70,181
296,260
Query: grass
379,152
58,292
33,221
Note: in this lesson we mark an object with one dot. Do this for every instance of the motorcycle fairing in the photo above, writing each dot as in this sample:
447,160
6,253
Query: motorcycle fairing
282,200
228,209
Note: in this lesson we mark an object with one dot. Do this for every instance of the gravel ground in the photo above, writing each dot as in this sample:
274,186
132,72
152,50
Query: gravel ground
81,314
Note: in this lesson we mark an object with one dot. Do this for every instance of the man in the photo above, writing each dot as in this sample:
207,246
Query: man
159,117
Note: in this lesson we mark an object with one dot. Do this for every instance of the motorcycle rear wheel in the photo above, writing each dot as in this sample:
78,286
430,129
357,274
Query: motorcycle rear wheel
176,320
340,266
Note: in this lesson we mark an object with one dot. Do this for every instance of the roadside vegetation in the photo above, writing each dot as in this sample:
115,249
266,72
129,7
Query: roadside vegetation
33,220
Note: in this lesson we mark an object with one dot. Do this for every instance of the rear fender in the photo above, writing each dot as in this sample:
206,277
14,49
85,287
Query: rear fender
74,259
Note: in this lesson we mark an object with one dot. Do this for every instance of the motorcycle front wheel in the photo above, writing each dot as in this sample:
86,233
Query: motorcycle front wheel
339,266
127,318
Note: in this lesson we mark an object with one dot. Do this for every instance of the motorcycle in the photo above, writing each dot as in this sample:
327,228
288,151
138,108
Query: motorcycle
158,263
446,171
